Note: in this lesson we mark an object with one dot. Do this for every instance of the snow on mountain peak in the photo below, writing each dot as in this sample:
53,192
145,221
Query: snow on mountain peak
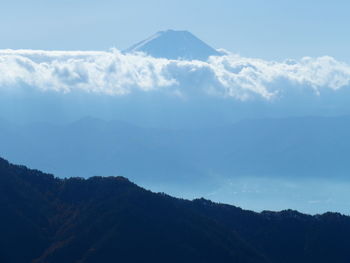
174,44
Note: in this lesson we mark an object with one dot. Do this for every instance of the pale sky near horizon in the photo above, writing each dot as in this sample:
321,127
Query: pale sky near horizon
268,29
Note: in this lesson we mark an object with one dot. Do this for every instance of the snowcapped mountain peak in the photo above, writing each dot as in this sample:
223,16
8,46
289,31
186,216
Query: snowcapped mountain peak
174,44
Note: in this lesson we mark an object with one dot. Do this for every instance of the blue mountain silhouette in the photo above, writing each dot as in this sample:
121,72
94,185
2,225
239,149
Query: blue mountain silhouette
173,44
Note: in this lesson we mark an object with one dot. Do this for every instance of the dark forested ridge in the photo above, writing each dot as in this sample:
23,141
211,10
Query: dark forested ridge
45,219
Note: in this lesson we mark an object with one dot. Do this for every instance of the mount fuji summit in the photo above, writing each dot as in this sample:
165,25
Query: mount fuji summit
173,44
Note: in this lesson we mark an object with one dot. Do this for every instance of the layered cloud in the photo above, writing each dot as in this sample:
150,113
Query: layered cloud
119,74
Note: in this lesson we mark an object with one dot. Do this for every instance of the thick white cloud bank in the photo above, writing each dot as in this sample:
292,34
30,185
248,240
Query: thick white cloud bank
118,74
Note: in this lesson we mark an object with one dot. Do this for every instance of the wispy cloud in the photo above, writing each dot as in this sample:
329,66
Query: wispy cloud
119,74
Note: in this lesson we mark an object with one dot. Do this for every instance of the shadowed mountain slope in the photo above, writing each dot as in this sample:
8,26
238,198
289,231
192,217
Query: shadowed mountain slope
45,219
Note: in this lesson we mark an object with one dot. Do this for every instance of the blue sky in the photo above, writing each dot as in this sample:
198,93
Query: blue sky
266,29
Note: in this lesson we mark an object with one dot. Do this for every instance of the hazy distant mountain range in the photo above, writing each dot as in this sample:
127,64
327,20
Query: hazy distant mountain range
308,147
45,219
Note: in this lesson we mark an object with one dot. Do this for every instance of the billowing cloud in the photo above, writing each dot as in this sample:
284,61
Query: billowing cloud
120,74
